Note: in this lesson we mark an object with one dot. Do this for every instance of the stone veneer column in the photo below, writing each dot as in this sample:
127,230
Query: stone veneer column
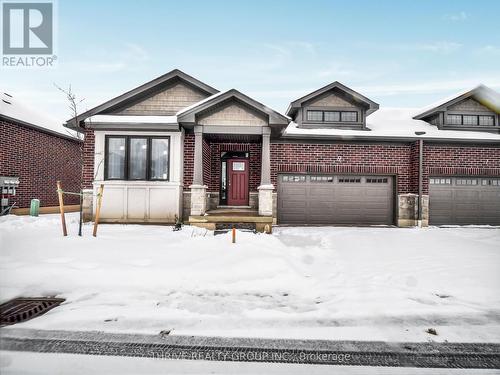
198,190
266,188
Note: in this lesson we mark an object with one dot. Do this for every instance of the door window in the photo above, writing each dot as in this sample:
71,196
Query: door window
238,166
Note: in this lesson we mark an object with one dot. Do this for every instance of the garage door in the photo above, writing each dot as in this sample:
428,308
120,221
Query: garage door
329,199
464,200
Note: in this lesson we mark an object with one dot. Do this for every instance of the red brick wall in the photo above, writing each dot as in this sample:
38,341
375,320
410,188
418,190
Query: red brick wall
88,159
254,149
39,159
393,159
455,159
211,161
188,159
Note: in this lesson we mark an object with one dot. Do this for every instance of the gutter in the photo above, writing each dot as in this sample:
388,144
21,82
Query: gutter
316,137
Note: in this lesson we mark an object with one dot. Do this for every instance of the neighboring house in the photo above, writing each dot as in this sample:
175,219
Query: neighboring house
178,147
38,151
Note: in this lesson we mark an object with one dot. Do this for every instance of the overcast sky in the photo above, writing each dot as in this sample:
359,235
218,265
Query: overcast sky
398,53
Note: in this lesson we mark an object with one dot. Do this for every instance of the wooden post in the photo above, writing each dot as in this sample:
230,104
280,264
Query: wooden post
61,208
234,235
98,209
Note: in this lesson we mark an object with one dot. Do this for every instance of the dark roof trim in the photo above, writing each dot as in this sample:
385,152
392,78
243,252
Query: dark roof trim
483,94
189,116
372,106
176,73
40,128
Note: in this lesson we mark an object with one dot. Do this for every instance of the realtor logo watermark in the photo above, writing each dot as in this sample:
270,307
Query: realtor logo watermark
28,34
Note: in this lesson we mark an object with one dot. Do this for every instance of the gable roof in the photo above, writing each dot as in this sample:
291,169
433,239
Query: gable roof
15,111
372,106
483,94
188,115
146,87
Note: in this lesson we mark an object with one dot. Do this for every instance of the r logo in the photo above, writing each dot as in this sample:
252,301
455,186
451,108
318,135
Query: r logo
27,28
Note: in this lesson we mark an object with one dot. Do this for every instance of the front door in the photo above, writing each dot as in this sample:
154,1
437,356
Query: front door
237,182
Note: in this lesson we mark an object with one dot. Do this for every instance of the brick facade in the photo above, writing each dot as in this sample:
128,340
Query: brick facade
395,159
460,159
188,166
356,158
39,159
88,159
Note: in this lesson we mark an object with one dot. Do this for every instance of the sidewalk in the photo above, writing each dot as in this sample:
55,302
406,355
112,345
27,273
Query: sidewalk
351,353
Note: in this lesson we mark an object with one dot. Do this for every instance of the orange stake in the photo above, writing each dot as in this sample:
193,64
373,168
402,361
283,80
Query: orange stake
61,208
234,235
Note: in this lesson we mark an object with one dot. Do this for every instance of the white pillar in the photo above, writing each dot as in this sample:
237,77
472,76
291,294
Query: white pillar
198,190
266,188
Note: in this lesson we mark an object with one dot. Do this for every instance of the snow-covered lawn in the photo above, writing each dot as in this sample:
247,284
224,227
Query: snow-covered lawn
324,282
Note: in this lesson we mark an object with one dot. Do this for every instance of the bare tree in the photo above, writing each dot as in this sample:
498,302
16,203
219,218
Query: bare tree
73,104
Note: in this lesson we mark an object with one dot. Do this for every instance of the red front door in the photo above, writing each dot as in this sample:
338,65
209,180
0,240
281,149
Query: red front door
238,182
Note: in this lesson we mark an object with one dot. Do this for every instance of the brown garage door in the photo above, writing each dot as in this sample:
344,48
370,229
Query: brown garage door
464,200
329,199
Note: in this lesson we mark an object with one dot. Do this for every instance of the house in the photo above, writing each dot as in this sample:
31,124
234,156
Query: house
176,147
36,151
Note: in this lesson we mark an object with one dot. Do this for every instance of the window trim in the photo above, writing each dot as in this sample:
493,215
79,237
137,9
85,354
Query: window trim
127,138
339,110
477,115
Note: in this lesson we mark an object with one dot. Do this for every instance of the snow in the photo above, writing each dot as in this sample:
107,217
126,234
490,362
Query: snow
133,119
11,107
391,122
75,364
370,283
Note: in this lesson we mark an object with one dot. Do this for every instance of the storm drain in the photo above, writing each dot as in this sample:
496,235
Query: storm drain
19,310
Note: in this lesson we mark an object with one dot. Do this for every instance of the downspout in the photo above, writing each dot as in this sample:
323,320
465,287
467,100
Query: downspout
420,180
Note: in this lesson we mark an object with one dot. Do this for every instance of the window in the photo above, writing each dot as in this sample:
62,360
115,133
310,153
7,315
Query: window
454,120
314,115
469,120
115,158
486,120
137,158
289,178
349,116
321,178
238,166
380,180
466,181
159,158
349,180
440,181
331,116
491,182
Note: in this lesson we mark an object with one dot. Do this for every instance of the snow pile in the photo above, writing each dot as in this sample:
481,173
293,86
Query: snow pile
10,107
331,283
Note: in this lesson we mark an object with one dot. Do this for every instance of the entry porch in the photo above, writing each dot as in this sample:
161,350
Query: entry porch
231,181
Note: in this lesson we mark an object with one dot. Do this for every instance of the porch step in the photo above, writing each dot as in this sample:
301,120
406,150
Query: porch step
241,226
249,220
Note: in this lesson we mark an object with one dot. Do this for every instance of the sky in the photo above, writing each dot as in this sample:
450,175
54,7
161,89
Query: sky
398,53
